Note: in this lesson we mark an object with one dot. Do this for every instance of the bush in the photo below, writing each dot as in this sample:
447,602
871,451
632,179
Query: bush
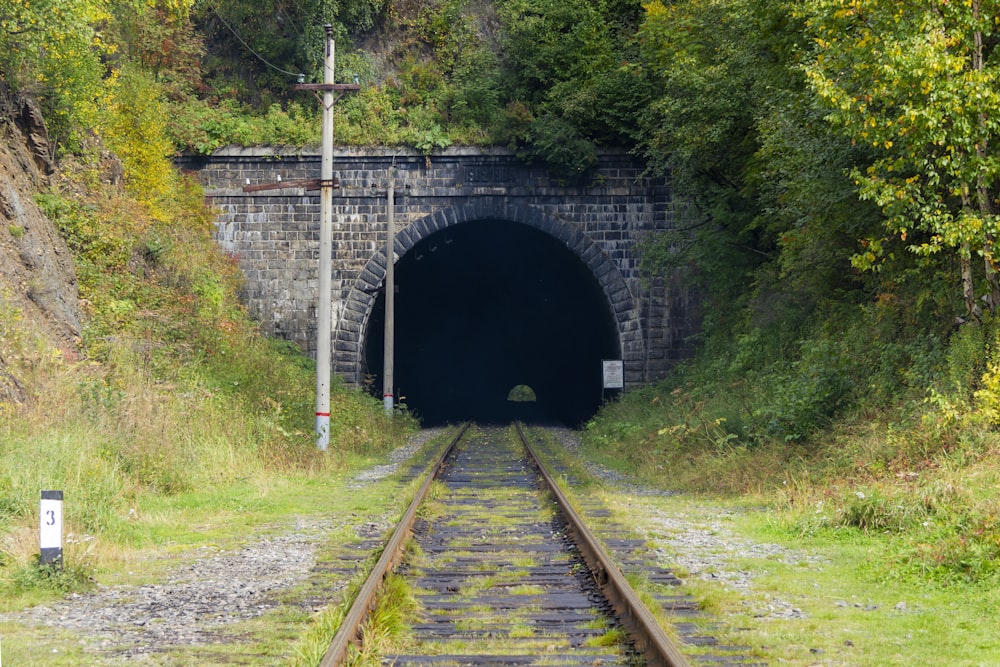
871,511
70,578
816,388
134,128
202,127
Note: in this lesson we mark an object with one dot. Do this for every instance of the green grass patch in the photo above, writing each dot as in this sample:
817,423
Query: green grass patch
175,422
183,526
827,594
387,627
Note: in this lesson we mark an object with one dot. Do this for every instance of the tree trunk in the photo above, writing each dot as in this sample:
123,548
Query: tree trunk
985,205
968,286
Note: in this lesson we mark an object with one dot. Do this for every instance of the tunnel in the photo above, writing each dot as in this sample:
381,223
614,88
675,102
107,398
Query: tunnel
494,321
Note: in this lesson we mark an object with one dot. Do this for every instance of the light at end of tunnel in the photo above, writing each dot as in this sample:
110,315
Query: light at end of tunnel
522,393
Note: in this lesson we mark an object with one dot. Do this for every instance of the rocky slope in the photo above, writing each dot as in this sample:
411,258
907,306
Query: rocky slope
37,278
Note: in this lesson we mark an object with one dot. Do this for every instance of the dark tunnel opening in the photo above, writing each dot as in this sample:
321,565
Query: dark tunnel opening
485,307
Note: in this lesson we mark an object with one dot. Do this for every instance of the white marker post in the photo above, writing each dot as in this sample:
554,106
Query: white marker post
50,528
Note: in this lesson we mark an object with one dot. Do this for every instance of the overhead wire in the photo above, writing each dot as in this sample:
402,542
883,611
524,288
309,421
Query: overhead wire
247,46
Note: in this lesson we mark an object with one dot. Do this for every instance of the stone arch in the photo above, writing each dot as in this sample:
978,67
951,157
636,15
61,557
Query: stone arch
349,337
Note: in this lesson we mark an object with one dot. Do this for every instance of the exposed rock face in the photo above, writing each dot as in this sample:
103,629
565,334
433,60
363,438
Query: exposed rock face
36,269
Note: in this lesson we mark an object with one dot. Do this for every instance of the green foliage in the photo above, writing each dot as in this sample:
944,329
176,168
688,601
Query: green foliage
160,39
568,80
431,138
816,388
447,28
102,248
387,626
372,116
53,49
872,511
919,89
967,396
806,203
475,95
554,142
70,578
946,536
970,352
966,552
257,49
717,69
521,393
133,125
200,127
707,58
449,83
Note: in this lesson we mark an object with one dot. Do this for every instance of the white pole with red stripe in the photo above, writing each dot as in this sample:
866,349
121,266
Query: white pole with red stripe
323,315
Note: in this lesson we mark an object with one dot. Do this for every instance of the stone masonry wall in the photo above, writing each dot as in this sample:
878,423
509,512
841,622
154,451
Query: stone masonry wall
275,236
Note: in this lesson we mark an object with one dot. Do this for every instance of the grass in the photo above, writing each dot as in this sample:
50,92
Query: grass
172,424
861,599
181,524
172,410
387,626
612,637
857,610
885,559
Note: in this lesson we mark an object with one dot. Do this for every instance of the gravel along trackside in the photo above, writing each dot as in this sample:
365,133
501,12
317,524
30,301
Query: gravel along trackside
701,546
203,600
198,602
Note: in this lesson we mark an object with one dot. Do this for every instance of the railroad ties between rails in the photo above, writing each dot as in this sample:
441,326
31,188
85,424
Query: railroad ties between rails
507,573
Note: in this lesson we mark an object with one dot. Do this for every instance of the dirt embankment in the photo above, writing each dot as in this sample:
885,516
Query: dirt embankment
37,278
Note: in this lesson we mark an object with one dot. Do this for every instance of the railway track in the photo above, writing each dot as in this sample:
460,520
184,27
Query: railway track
505,572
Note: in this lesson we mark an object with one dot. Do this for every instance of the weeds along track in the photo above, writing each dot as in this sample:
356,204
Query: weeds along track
503,572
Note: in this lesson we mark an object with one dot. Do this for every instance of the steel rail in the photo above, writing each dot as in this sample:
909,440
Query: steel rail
651,640
350,628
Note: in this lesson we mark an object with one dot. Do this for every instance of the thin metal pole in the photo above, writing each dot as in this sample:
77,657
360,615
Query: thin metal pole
323,315
390,293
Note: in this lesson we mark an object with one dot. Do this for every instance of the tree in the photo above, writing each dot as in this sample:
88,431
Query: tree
257,48
723,73
53,49
571,84
917,82
159,37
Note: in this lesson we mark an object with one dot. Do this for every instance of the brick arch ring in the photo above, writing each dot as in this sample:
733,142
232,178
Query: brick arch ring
348,344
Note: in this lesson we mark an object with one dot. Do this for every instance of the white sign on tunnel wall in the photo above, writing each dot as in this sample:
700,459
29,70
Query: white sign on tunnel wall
614,374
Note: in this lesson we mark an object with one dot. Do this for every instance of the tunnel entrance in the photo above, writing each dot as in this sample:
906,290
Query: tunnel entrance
485,306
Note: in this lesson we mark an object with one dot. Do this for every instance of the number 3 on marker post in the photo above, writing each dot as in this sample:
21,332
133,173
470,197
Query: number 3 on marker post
51,527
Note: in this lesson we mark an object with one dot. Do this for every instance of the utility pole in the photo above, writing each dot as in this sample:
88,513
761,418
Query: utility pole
327,182
390,293
323,316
